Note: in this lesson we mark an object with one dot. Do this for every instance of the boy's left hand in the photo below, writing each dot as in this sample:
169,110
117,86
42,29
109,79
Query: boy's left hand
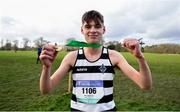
132,45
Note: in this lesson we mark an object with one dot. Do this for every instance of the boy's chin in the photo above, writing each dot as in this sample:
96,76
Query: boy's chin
94,41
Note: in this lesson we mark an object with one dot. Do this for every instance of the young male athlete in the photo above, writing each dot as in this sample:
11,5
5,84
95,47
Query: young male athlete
93,68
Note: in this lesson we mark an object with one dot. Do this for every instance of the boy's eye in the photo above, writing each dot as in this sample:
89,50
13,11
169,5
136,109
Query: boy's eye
87,26
95,26
98,26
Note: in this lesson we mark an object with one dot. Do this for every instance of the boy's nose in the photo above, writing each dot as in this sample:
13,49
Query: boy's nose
93,29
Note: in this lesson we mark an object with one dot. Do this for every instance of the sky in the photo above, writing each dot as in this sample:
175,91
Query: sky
156,21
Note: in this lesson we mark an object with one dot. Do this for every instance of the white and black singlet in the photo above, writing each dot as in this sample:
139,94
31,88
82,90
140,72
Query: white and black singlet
93,83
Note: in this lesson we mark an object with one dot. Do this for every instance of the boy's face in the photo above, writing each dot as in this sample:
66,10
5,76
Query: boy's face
92,31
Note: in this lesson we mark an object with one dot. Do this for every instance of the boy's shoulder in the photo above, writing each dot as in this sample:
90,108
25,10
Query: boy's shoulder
72,55
113,52
70,58
115,56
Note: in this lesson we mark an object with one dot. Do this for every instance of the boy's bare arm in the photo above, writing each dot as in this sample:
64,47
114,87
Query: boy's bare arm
142,77
64,68
48,82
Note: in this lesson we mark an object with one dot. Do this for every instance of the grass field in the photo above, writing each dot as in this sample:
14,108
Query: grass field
19,84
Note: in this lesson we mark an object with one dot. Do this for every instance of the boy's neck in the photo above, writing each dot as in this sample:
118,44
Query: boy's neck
92,51
92,54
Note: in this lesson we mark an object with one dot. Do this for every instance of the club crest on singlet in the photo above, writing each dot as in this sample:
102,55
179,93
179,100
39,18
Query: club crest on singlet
102,68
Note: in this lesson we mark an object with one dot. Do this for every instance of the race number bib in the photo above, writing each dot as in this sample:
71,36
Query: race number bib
89,91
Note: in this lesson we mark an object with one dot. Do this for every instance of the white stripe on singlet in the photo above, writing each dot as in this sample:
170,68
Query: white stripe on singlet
82,62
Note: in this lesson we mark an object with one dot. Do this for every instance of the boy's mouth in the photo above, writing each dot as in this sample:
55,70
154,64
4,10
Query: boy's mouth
93,36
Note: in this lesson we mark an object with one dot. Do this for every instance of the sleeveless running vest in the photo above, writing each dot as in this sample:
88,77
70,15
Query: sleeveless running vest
93,83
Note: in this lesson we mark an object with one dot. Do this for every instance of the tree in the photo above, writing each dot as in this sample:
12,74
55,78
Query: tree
70,48
7,45
40,42
163,48
111,46
25,43
15,45
69,39
2,42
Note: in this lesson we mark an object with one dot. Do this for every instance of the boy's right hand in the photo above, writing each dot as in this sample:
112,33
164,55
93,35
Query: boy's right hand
48,55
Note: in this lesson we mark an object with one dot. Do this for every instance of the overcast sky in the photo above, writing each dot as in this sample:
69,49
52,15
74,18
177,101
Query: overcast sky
157,21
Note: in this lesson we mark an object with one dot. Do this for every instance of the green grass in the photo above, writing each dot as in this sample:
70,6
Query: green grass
19,84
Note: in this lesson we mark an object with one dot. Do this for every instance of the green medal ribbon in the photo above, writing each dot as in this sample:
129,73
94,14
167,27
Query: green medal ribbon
74,43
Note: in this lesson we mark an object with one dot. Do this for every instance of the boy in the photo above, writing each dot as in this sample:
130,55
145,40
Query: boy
93,68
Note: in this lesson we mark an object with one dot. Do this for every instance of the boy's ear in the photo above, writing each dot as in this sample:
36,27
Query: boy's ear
82,30
104,29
